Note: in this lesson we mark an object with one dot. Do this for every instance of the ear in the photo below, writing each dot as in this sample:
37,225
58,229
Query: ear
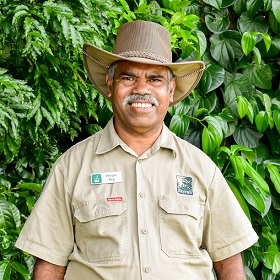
109,83
172,87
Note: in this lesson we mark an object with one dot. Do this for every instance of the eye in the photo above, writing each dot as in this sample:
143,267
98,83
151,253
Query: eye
127,78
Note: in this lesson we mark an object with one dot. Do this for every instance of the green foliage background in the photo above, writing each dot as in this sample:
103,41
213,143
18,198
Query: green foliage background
47,102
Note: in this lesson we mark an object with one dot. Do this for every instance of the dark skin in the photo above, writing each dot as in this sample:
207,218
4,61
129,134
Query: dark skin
139,124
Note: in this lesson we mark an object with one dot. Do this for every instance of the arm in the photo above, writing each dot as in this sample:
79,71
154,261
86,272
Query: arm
230,268
44,270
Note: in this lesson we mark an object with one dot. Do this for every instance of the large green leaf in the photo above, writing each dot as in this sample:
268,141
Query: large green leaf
179,124
212,78
253,6
205,102
22,270
273,259
257,24
214,3
255,176
239,86
260,76
217,21
247,136
253,196
9,215
226,49
240,198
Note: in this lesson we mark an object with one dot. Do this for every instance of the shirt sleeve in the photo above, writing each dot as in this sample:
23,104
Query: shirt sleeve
228,230
48,231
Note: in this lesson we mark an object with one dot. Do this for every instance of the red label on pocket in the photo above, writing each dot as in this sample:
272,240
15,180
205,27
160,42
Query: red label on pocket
114,199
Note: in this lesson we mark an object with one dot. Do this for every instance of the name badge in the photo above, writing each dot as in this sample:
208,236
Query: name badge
106,178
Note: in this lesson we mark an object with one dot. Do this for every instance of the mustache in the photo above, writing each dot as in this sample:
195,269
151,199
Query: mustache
140,97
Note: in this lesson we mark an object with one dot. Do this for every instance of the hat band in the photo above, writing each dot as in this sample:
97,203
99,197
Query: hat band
108,66
147,55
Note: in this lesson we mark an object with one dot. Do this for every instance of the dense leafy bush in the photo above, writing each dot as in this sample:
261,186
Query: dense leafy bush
47,103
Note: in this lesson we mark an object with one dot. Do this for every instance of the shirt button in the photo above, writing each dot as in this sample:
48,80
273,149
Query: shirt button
144,230
147,269
141,194
140,160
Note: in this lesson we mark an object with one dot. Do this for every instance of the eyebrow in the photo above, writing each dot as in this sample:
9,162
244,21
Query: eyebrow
131,74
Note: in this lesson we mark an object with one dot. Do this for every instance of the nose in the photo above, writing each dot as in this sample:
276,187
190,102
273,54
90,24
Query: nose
141,86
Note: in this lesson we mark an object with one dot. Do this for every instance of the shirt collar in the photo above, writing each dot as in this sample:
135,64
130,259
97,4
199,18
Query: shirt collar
109,140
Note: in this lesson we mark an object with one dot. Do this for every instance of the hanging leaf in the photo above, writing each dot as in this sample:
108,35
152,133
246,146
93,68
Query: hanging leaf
240,199
255,176
5,270
274,175
253,195
276,9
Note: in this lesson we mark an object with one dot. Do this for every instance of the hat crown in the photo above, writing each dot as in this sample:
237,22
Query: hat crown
144,39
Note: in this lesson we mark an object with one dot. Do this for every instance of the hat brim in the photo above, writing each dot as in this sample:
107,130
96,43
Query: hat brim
97,62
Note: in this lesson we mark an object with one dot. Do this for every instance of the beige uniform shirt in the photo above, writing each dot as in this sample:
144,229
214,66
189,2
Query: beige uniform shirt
109,214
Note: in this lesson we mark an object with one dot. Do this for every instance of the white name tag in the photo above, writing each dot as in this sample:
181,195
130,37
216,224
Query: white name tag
106,178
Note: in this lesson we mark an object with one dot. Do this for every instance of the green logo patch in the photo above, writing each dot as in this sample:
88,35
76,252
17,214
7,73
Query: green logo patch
96,179
184,185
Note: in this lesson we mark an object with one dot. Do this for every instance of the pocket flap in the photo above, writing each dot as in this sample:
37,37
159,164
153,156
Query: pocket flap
181,206
99,209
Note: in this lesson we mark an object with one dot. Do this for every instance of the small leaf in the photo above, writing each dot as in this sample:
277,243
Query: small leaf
242,106
238,169
31,186
262,121
248,41
178,17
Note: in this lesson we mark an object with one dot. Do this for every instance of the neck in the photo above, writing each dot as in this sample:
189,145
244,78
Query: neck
139,141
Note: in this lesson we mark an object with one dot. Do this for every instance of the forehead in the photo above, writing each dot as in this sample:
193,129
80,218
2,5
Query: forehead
139,69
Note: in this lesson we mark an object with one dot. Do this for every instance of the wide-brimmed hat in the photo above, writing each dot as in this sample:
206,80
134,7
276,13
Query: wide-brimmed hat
144,42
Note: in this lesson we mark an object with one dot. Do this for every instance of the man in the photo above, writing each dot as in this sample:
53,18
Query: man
134,201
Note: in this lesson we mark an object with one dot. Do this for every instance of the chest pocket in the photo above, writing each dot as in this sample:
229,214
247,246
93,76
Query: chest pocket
181,226
102,226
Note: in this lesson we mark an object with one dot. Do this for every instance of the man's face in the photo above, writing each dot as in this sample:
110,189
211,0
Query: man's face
140,95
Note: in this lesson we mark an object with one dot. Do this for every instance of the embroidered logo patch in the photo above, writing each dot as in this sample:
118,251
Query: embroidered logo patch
184,185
